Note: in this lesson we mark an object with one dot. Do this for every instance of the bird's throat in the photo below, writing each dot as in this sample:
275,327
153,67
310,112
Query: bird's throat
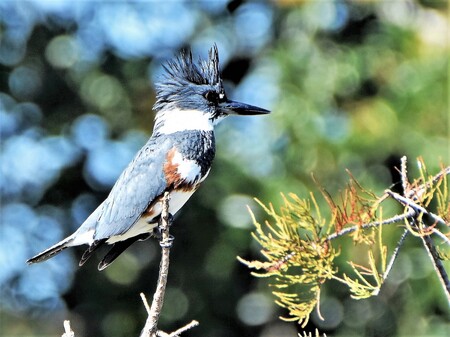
171,121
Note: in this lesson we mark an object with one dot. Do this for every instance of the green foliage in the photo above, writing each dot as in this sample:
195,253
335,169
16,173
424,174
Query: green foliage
298,254
360,286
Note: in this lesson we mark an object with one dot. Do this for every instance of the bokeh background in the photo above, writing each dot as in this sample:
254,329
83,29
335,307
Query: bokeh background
352,84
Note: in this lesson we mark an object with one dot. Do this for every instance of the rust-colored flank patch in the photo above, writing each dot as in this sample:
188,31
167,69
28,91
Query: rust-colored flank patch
171,173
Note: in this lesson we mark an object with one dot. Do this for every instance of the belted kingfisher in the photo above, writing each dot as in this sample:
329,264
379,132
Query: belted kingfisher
190,101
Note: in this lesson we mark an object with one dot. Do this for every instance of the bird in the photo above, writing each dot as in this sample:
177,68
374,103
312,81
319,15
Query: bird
190,102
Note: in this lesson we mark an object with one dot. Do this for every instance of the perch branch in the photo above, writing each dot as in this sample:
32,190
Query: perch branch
154,311
151,325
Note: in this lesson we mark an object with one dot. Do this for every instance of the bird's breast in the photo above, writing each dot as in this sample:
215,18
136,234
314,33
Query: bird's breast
183,175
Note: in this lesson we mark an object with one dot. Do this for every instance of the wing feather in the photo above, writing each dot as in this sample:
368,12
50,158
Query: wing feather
139,184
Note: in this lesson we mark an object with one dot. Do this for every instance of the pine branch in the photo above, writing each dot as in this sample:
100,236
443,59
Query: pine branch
416,207
294,242
297,244
407,200
411,196
392,220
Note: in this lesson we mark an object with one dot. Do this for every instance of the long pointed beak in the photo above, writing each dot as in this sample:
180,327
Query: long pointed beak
237,108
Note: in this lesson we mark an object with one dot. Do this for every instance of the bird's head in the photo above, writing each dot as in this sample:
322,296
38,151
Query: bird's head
191,96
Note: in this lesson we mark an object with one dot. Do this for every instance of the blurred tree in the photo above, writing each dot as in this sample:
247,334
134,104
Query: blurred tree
350,84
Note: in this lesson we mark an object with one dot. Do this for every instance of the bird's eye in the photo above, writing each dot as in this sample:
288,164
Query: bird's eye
212,97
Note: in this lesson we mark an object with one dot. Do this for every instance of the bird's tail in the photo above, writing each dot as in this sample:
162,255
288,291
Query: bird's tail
52,251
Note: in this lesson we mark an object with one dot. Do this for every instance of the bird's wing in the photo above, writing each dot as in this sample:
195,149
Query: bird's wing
139,184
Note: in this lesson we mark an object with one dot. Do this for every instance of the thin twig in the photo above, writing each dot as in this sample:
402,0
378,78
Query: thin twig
67,330
179,331
404,174
427,185
398,218
408,202
426,239
436,261
151,325
144,300
394,219
441,235
395,254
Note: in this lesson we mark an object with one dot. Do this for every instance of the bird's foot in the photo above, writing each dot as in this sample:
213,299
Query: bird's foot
170,219
166,243
158,231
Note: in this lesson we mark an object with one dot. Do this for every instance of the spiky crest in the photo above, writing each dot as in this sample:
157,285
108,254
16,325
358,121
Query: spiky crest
183,71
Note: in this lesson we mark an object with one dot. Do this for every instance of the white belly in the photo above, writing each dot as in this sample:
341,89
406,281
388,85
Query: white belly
146,224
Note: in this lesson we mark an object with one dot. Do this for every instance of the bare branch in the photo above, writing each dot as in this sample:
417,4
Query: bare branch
436,262
151,325
146,305
441,235
404,173
179,331
67,330
395,254
419,189
426,239
408,202
154,311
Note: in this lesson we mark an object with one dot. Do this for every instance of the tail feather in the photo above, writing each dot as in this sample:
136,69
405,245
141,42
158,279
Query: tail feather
52,251
118,248
87,254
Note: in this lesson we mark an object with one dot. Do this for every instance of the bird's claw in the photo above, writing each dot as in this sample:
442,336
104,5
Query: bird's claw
170,219
166,243
158,231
